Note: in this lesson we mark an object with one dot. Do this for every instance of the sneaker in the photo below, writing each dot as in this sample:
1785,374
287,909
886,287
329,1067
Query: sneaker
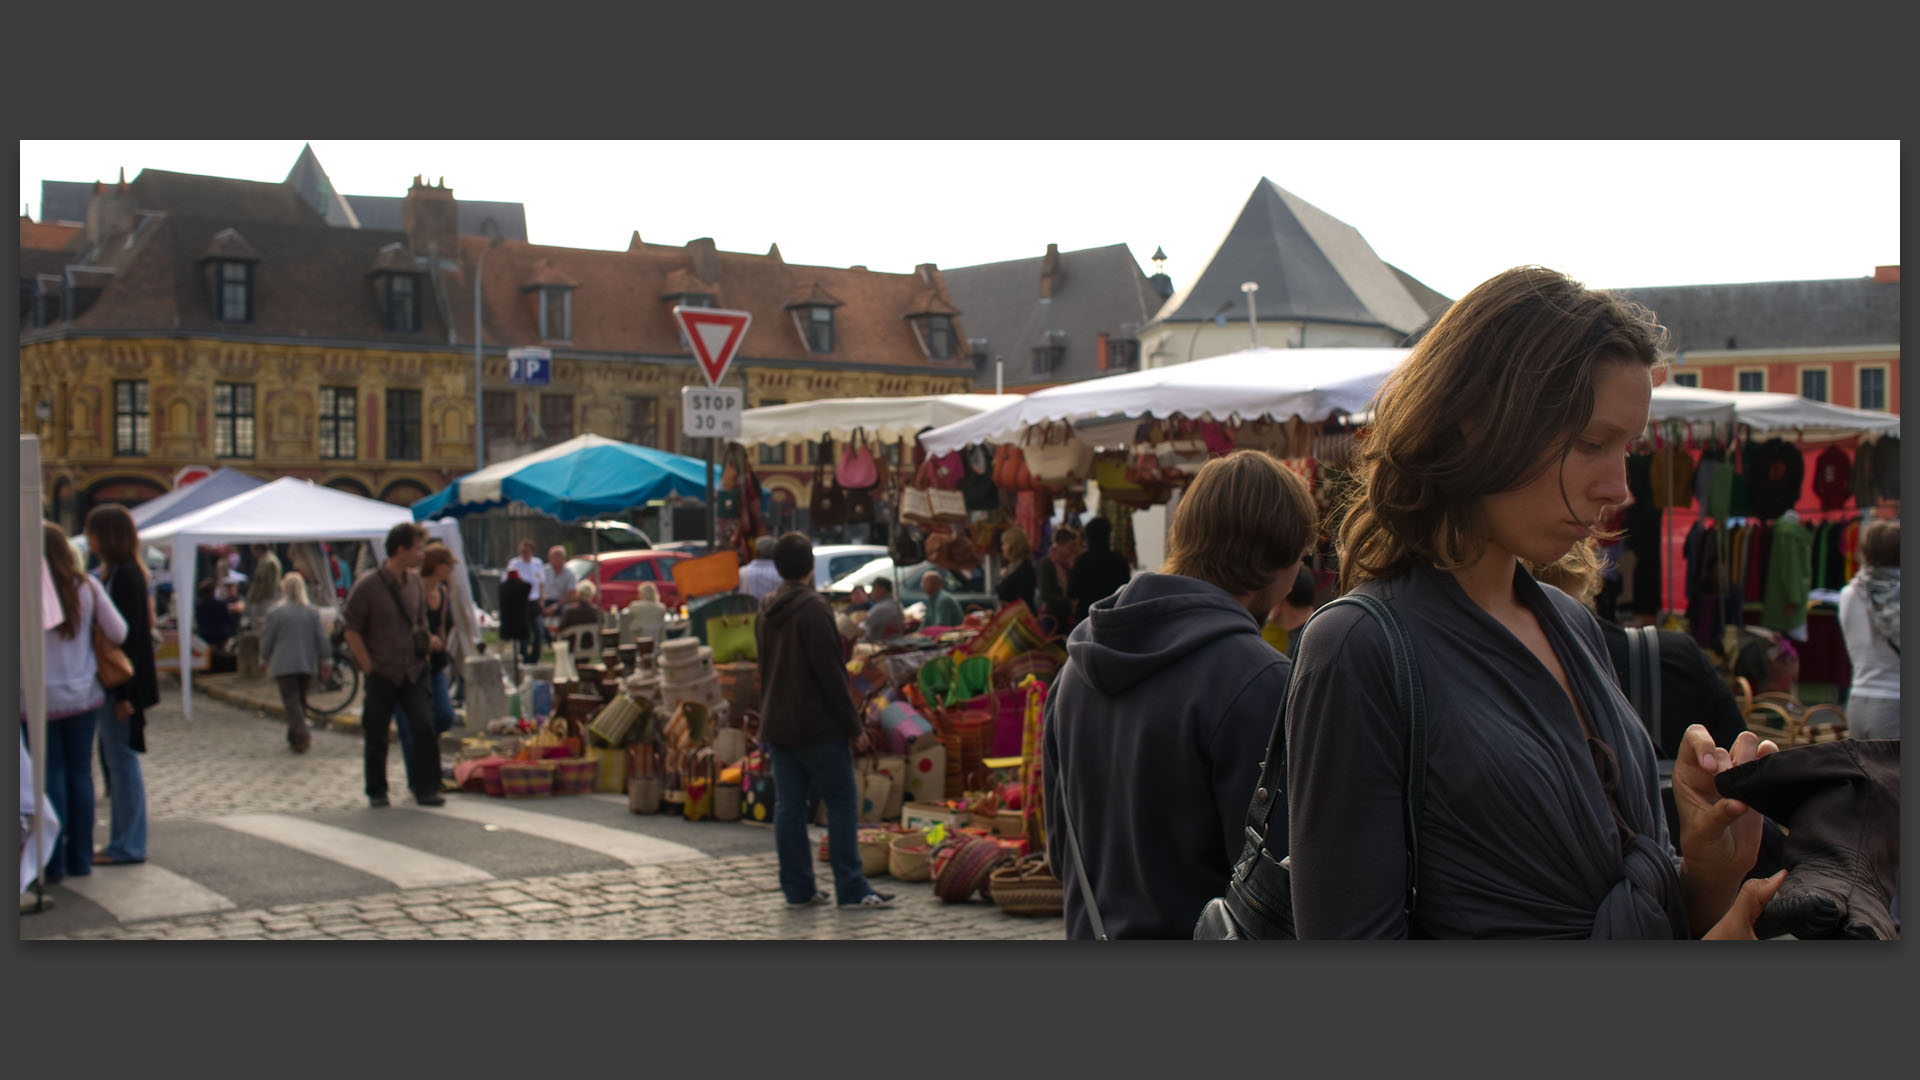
818,899
376,800
871,900
430,798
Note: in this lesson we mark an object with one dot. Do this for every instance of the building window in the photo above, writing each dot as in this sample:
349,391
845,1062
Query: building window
643,421
1873,388
403,425
556,416
232,419
1685,378
1752,381
1123,354
339,426
1813,384
132,427
403,303
234,298
556,314
940,337
497,405
772,453
820,329
1046,359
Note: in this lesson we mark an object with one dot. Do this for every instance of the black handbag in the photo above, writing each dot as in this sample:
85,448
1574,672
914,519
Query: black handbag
827,506
976,481
1259,900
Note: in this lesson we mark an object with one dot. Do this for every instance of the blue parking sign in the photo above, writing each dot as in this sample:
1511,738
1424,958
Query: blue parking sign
530,366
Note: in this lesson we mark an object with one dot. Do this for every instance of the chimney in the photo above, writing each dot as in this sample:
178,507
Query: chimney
430,218
1050,272
926,272
110,211
706,259
1887,275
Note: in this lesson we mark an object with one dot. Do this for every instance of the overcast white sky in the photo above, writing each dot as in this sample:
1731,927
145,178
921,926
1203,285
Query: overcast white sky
1613,214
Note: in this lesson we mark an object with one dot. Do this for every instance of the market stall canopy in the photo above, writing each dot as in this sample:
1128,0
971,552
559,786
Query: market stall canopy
584,477
1767,412
885,419
1278,384
290,510
218,486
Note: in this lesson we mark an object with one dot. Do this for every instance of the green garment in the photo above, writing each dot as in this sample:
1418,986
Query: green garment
1783,604
944,610
1720,493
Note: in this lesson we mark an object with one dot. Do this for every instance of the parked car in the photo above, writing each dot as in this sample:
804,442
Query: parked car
693,548
612,535
906,585
618,575
831,562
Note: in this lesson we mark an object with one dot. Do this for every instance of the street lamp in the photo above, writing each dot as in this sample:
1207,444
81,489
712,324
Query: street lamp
479,417
1217,312
1253,319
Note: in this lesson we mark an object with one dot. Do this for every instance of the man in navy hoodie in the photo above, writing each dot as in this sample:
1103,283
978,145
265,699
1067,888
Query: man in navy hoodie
1156,726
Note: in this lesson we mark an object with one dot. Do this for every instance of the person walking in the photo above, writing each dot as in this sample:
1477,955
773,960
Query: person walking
76,702
112,535
1100,571
759,578
1870,624
942,608
387,633
295,649
1501,443
812,726
1156,725
534,572
1019,582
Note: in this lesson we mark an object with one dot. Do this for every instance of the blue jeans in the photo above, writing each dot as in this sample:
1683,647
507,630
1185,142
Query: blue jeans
70,790
828,766
126,790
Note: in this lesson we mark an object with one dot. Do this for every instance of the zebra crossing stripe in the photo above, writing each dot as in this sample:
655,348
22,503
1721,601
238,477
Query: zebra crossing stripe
631,848
406,867
140,891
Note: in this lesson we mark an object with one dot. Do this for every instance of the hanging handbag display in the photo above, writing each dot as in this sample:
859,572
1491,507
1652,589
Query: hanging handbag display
1010,468
855,467
1182,455
916,505
827,503
976,484
732,638
860,505
949,507
1259,899
1058,457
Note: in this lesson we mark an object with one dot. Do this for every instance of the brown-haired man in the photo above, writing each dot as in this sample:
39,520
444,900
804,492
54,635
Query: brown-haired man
387,632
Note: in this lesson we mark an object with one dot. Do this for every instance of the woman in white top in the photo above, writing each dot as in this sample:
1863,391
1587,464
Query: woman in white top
76,702
1870,622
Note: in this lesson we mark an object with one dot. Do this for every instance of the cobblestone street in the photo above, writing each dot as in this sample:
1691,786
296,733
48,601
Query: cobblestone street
230,762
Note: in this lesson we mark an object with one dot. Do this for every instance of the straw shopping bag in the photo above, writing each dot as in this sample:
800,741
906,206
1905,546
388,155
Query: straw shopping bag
526,779
574,775
909,858
1027,887
875,844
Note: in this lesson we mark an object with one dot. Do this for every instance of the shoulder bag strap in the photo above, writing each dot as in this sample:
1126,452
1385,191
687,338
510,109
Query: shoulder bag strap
398,602
1080,865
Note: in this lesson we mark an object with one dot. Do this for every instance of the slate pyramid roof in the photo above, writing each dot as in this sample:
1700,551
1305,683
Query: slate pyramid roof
310,180
1310,266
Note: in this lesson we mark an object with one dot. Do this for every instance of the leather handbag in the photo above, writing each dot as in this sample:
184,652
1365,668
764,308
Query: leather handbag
976,483
1259,900
827,503
1010,468
859,505
109,659
856,468
732,638
1058,457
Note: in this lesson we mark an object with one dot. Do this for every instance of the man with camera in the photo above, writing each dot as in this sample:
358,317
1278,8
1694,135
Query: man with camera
387,633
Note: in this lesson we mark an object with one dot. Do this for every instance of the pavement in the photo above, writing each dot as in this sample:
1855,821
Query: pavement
248,840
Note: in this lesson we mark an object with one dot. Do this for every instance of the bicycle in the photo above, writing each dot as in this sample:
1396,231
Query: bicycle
336,688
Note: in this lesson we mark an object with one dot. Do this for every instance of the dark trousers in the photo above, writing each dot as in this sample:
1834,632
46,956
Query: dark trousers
293,700
382,694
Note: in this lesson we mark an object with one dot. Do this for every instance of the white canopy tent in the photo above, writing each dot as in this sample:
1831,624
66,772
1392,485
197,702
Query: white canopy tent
1276,384
885,419
1769,413
290,510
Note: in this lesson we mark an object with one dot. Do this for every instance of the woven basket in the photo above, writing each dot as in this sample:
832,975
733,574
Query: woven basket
1027,887
875,845
526,779
644,793
909,858
967,868
615,722
574,775
611,776
490,777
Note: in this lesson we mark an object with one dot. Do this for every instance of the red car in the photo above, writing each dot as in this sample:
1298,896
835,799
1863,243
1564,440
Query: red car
621,572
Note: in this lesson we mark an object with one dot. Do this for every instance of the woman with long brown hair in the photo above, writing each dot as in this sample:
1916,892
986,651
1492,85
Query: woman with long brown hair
1498,444
112,535
76,702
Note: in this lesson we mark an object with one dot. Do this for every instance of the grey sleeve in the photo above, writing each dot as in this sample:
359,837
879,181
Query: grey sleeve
1345,785
270,636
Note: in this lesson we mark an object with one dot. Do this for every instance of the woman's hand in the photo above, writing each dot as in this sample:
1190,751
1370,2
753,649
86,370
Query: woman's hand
123,710
1737,923
1719,837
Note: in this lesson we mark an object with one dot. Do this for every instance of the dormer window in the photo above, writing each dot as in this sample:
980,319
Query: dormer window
812,308
820,329
403,303
233,293
694,299
556,313
940,336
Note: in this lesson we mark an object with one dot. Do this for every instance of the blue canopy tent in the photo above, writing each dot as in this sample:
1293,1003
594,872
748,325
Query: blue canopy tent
577,480
218,486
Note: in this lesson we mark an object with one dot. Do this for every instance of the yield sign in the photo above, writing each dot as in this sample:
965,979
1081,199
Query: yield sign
715,334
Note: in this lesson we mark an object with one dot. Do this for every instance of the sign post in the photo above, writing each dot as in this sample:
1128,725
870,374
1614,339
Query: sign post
715,335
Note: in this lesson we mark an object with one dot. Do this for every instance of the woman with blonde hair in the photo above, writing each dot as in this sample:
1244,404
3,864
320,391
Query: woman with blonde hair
1019,581
76,702
296,652
1501,443
646,617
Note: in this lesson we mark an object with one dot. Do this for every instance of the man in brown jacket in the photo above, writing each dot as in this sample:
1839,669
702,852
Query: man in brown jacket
387,633
809,719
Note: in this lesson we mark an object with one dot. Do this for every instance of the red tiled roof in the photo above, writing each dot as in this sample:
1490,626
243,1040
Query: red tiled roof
812,295
545,273
40,236
618,303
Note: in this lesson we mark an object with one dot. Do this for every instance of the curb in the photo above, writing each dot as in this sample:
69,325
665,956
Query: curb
342,721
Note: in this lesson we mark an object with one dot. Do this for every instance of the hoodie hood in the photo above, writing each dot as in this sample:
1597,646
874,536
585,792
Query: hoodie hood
785,603
1154,622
